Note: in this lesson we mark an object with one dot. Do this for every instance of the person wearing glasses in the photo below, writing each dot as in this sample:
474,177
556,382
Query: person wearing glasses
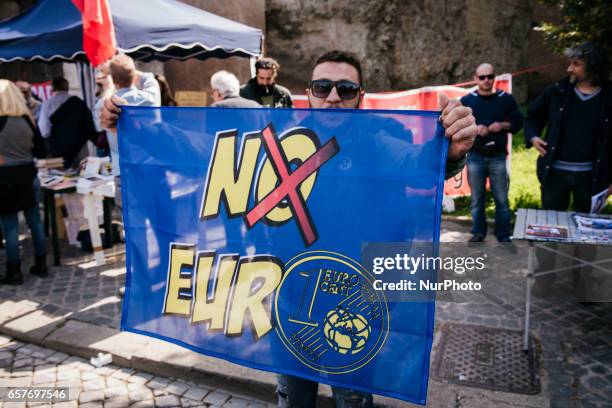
496,113
337,83
263,89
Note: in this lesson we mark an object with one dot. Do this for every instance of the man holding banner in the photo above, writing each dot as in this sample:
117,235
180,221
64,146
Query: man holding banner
337,83
244,232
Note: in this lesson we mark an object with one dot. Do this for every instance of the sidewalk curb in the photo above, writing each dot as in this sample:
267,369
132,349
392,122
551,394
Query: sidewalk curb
25,321
464,220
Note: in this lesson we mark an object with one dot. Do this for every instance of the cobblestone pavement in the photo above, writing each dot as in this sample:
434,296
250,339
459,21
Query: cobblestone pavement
575,341
27,365
78,288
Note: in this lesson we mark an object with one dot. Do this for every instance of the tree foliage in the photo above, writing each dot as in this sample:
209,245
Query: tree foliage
582,20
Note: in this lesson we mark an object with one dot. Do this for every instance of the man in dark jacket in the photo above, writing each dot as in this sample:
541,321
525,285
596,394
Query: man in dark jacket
336,82
575,153
263,88
66,123
496,114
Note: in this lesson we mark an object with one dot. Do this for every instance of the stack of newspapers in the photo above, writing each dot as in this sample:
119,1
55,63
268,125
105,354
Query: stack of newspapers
50,163
96,184
595,229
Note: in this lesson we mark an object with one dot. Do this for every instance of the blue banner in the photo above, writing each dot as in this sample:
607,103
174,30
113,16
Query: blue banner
244,230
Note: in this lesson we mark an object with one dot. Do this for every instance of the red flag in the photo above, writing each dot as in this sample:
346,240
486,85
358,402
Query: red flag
98,32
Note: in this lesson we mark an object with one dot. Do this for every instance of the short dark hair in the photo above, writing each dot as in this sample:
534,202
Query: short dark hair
267,63
59,84
595,59
342,56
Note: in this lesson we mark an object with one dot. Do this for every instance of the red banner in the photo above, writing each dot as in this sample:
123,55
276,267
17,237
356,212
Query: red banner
422,99
98,32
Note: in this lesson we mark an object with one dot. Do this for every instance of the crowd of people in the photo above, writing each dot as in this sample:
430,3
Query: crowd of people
574,154
573,110
61,127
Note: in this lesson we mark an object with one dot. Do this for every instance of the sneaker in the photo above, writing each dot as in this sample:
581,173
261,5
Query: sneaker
477,238
504,239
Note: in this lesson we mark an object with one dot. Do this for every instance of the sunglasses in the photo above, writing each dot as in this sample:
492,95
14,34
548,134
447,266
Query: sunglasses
483,77
321,88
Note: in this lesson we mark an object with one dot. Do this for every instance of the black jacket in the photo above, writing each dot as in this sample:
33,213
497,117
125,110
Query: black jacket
281,97
71,127
547,110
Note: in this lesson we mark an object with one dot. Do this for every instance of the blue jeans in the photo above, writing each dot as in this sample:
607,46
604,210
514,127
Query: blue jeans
10,226
295,392
479,168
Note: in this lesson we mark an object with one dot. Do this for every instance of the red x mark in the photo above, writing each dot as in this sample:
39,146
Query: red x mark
290,183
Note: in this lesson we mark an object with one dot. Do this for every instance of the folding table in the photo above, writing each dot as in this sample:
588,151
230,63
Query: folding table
526,217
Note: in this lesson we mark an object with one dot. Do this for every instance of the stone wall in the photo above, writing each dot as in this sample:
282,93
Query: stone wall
402,44
551,67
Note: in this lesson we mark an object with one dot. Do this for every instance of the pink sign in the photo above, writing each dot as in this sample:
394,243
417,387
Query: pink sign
42,90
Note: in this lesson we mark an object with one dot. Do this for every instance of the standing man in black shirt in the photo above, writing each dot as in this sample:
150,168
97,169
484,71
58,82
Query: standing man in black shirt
263,89
575,153
496,114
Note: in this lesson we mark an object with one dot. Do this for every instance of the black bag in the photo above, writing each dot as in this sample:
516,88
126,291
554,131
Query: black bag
491,145
17,188
16,185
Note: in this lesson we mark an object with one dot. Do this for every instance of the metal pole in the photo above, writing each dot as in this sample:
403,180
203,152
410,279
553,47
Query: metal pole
108,222
54,238
530,280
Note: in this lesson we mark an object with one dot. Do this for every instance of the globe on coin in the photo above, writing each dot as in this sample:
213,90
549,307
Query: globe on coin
346,332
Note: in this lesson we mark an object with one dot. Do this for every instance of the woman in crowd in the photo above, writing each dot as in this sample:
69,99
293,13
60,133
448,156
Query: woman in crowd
20,142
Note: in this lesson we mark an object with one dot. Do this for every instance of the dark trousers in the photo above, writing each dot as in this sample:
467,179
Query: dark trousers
479,169
561,188
295,392
560,185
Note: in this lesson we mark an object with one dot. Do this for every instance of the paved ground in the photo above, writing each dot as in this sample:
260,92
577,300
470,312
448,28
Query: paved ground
27,365
575,340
